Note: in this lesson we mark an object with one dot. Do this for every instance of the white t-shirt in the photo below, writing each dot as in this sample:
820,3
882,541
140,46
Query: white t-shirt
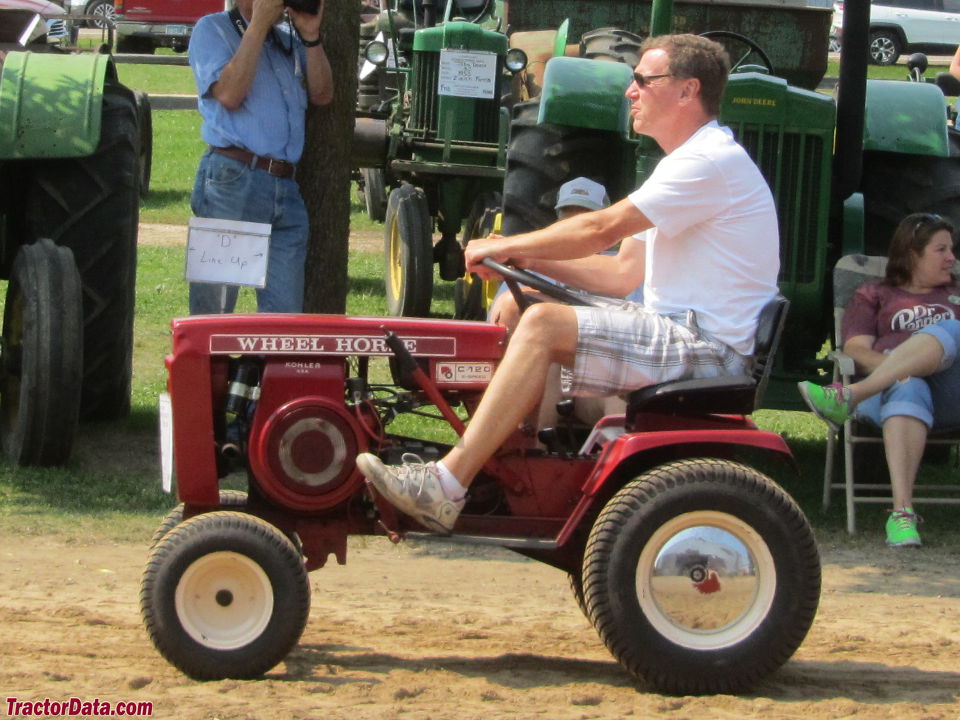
715,244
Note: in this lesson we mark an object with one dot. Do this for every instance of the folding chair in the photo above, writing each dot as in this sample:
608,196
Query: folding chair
850,272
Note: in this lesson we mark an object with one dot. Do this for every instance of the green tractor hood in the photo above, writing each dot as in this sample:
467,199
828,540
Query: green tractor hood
50,104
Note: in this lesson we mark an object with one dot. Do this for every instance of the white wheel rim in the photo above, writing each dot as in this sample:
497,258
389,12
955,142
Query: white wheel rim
709,605
224,600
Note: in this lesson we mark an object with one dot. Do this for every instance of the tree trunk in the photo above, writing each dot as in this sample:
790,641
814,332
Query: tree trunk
324,171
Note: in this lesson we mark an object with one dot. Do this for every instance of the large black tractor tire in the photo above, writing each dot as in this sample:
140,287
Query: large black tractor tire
541,157
408,253
375,193
229,500
225,595
611,44
701,576
145,126
91,205
40,369
470,293
896,185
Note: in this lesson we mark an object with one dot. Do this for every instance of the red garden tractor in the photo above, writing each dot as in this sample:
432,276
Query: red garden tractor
699,572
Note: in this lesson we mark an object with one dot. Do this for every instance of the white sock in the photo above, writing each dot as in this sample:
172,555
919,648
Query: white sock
448,481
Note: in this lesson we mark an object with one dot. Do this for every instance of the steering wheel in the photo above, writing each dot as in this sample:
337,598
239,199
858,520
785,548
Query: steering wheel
752,48
514,277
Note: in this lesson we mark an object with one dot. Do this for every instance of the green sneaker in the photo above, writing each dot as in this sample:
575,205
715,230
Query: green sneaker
830,403
902,528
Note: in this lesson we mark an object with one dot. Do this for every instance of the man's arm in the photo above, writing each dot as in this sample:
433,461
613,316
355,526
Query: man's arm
231,89
319,74
955,64
575,237
614,275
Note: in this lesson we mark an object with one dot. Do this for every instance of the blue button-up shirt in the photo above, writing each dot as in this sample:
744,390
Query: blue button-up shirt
272,118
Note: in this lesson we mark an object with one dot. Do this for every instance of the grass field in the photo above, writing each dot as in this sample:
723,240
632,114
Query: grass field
111,485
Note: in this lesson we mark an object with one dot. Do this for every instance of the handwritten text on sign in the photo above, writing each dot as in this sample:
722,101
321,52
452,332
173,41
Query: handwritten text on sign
227,251
468,73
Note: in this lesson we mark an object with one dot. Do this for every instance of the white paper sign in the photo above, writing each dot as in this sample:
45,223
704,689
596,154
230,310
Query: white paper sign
231,252
468,73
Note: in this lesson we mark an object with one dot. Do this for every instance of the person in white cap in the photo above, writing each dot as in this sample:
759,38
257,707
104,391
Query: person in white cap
575,196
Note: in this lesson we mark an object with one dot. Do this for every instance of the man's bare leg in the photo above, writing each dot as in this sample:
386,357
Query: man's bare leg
547,333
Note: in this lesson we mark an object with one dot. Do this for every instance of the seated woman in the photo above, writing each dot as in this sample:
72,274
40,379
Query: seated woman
903,335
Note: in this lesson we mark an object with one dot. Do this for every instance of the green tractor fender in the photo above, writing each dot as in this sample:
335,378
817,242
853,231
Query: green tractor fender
905,117
50,104
578,92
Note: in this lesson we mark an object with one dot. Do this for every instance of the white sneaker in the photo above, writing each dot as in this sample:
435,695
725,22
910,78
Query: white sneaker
414,488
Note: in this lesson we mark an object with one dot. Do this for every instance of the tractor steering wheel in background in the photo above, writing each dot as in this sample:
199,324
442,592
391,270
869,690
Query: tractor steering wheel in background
514,277
733,42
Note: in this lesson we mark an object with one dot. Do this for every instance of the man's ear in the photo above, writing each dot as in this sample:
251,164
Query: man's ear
690,89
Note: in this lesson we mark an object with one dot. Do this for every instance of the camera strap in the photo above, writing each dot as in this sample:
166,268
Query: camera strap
240,24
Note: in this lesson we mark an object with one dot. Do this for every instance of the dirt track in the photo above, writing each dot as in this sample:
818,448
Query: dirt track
435,633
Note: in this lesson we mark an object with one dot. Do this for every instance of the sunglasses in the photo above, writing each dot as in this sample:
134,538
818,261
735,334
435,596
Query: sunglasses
926,219
643,80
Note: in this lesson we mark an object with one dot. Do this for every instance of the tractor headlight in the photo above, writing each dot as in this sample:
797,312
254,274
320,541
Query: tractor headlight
516,60
376,52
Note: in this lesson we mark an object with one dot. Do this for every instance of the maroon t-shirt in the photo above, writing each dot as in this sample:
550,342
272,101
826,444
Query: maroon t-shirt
892,314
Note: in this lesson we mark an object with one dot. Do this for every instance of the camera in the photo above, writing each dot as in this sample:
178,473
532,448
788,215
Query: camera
307,6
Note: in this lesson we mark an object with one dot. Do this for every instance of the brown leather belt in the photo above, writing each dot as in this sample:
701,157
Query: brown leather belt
277,168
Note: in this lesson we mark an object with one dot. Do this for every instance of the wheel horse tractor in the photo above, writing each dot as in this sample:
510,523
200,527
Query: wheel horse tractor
700,574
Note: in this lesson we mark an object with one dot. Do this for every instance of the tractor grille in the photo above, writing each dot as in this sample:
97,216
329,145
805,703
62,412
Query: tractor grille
425,109
794,166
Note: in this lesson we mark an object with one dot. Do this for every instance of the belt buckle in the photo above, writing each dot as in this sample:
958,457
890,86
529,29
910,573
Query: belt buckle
270,167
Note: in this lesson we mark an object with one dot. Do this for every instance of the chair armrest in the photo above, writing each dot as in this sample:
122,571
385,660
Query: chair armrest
843,363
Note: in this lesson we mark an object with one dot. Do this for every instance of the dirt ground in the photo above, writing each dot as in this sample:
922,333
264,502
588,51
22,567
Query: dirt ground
436,632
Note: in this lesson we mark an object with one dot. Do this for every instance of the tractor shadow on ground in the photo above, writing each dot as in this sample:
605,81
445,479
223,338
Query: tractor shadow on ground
861,682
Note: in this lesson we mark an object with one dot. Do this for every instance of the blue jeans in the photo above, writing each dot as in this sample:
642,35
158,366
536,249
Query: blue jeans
230,190
914,397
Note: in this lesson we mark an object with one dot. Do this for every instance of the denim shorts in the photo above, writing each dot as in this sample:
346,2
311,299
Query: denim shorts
914,397
231,190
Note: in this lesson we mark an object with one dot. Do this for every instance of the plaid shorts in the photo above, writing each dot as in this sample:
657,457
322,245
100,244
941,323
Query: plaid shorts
623,346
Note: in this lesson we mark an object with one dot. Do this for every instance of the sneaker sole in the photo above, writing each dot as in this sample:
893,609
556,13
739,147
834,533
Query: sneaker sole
905,543
813,408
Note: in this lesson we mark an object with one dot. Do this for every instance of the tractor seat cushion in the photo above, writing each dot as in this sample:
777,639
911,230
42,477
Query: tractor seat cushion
727,394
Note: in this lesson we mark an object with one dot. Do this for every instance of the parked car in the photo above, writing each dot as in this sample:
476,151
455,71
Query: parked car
144,25
908,26
97,13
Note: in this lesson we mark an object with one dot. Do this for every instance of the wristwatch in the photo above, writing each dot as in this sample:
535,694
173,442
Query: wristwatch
310,43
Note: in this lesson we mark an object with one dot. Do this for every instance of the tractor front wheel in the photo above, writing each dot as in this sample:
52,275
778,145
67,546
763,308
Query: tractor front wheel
408,248
40,376
471,295
225,595
701,576
229,500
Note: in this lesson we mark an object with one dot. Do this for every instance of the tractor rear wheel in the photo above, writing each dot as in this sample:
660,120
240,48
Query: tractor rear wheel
611,44
701,576
225,595
408,252
91,205
40,373
541,157
471,295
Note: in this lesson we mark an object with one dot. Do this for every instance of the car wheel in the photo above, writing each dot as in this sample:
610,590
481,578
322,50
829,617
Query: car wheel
225,595
701,576
884,47
104,16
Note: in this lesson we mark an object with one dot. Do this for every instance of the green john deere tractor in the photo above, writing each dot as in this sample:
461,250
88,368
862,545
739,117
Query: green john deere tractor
843,170
70,175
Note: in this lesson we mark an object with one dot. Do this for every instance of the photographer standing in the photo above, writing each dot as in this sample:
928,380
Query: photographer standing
254,80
